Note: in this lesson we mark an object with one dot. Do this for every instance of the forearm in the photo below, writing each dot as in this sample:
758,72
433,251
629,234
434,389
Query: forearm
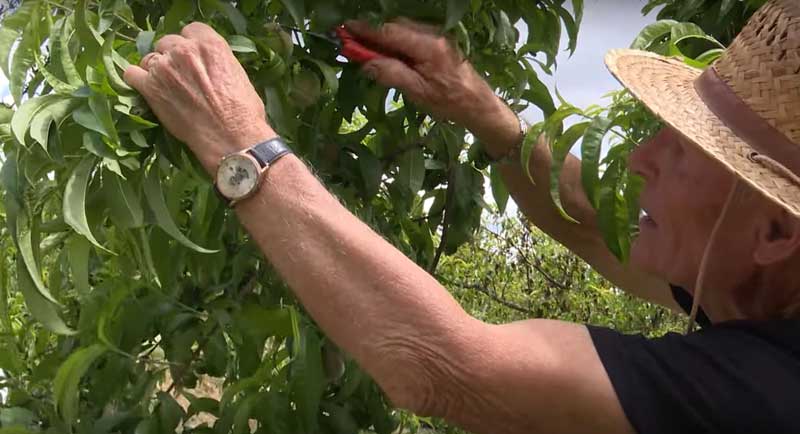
500,132
395,319
535,201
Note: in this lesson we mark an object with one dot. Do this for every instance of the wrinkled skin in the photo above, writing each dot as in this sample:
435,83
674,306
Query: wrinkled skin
194,79
685,194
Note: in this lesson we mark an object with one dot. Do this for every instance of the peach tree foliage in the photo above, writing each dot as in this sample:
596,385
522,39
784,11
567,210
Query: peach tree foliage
121,268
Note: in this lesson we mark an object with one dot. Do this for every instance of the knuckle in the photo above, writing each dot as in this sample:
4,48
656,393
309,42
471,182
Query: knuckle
441,45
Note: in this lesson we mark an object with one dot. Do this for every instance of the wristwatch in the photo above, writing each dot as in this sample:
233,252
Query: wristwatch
239,175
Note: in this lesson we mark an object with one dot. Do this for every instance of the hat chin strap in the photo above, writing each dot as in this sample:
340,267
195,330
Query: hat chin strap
704,263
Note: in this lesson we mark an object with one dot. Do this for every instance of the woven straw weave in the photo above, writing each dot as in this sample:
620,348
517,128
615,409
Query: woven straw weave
762,66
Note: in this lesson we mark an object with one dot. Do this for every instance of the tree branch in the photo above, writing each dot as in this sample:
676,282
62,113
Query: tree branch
493,295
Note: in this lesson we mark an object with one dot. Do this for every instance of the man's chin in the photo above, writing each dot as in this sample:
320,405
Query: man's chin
641,257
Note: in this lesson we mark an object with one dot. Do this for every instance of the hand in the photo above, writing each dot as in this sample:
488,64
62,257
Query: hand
434,75
202,95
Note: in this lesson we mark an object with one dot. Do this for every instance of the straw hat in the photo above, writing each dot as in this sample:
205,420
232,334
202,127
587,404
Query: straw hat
744,111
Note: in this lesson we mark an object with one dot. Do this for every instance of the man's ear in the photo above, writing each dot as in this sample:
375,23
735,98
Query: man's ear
778,238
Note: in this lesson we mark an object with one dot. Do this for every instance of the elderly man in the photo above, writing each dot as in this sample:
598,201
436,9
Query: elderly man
723,221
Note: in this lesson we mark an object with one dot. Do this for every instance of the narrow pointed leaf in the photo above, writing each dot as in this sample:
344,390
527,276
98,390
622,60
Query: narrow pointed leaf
297,9
26,250
111,70
75,200
44,311
78,249
591,149
499,189
68,377
561,149
22,119
67,63
155,199
456,9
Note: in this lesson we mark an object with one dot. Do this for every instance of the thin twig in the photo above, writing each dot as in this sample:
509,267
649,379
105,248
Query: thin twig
536,265
492,295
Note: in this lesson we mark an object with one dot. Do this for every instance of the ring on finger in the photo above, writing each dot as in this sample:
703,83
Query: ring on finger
150,60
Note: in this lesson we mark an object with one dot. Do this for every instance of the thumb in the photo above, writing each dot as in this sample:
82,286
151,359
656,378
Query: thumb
391,72
136,77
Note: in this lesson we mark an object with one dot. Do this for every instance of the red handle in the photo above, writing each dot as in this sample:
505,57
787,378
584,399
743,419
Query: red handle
353,50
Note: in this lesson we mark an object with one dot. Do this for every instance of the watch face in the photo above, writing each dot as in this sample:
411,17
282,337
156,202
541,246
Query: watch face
238,176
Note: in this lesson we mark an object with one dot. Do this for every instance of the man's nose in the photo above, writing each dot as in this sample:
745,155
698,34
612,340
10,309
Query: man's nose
642,160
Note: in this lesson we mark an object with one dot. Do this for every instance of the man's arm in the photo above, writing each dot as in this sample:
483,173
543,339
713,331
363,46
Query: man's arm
400,324
449,87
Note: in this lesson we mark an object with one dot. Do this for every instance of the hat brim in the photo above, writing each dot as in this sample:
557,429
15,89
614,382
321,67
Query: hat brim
666,87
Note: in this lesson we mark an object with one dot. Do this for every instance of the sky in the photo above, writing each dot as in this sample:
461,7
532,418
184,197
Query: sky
583,78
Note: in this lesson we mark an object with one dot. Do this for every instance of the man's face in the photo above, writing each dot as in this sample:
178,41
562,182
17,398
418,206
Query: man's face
684,194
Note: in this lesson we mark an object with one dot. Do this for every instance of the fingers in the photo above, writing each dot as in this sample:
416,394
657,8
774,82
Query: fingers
149,60
420,27
169,42
136,78
398,37
395,73
200,32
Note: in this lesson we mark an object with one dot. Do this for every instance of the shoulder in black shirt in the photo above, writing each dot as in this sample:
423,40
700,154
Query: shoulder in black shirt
734,377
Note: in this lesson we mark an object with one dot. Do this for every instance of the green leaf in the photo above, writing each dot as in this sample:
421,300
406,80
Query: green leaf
44,311
11,29
499,189
90,39
26,250
238,21
56,83
180,11
330,76
67,63
709,56
570,25
23,118
456,9
53,113
308,376
297,9
144,42
24,57
68,377
126,203
653,33
75,199
101,108
537,91
532,139
242,44
78,252
155,199
111,70
611,209
412,170
561,149
591,149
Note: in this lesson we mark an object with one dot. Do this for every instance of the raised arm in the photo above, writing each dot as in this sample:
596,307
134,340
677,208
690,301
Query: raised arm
401,325
451,89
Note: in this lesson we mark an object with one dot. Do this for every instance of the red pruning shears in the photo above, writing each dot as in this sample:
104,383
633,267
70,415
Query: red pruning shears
349,47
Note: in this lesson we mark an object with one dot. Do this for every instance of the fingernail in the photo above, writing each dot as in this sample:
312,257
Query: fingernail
370,71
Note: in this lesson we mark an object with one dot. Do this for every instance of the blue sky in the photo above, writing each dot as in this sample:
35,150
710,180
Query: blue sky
583,78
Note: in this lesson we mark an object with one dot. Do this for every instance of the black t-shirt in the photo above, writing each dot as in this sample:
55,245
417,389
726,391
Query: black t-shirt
732,377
